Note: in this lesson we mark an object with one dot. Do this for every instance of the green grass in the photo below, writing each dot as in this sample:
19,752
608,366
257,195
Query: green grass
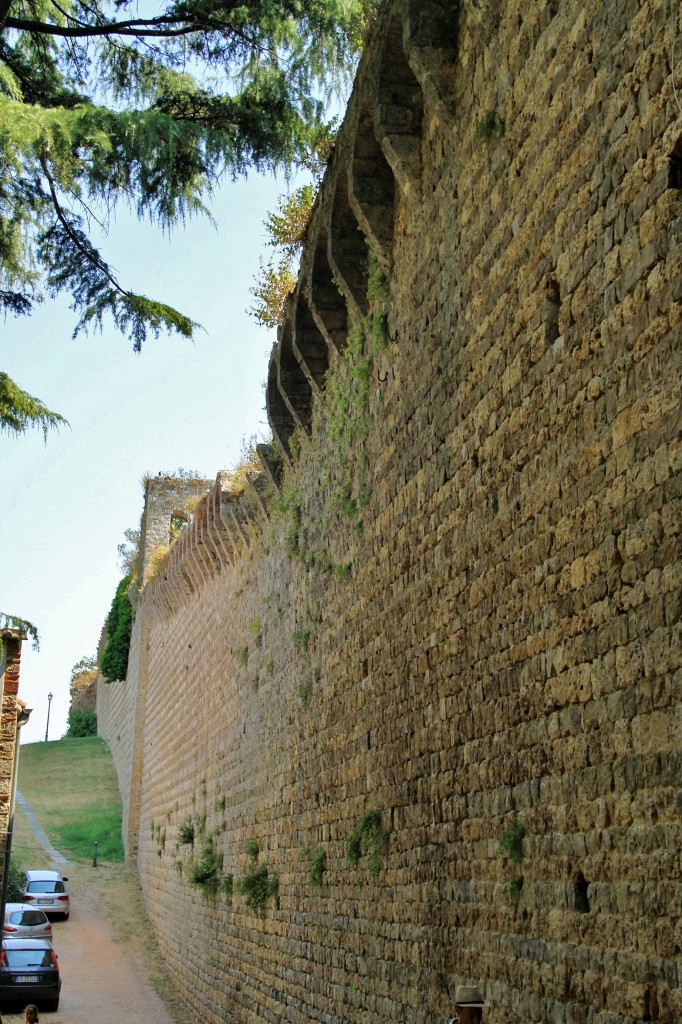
71,787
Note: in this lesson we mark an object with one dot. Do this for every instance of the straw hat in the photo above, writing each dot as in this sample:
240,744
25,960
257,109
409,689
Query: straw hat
468,995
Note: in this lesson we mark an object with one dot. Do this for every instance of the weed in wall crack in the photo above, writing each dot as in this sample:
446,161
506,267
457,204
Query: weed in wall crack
368,836
489,127
302,639
305,692
510,843
317,863
258,886
510,846
205,873
186,834
228,888
512,888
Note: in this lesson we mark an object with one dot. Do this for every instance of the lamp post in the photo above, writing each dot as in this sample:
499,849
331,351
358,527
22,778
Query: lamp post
49,703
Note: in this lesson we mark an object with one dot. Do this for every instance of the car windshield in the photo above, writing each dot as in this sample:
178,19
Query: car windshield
27,918
47,885
18,959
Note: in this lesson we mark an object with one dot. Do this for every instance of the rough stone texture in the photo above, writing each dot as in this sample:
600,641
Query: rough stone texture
12,708
507,647
84,691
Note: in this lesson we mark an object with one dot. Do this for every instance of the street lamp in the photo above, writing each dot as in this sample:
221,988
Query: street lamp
49,703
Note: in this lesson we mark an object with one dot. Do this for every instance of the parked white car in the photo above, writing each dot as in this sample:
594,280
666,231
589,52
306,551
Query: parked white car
46,890
23,921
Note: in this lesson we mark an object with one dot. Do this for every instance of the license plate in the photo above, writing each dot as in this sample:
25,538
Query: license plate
28,979
45,902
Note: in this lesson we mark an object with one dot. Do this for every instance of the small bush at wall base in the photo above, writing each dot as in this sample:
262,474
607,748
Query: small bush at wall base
81,722
15,883
368,836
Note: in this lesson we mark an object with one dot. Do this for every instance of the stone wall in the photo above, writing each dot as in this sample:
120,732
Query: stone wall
454,606
13,716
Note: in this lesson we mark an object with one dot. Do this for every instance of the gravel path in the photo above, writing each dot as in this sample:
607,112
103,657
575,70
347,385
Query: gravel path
39,833
111,970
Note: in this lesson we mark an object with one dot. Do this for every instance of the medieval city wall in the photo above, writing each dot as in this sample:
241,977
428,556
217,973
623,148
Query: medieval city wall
446,618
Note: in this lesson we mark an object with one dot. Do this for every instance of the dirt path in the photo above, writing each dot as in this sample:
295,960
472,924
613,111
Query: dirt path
111,973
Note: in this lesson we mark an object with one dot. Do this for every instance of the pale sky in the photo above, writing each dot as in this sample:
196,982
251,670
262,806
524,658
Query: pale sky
66,504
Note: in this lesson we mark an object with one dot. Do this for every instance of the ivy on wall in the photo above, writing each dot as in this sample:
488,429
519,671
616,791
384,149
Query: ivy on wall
119,627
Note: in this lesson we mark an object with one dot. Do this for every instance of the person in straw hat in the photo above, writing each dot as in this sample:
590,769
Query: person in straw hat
469,1005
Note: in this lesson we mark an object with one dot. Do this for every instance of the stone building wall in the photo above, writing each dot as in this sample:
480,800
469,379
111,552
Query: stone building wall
13,716
454,607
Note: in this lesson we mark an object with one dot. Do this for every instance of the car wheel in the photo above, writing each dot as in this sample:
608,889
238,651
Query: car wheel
66,917
54,1005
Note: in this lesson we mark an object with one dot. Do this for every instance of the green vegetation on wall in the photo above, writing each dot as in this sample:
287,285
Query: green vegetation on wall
15,883
258,886
206,872
119,626
368,837
316,859
510,847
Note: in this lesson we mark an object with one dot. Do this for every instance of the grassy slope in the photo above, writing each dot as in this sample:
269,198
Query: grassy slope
72,788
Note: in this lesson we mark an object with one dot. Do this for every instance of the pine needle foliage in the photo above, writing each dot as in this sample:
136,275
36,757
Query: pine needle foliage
20,411
105,104
102,104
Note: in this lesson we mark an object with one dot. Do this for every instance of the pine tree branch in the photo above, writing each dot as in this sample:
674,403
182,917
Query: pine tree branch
91,255
166,26
4,12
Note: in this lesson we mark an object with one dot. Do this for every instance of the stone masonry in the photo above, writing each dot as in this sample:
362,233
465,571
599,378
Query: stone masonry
13,717
457,614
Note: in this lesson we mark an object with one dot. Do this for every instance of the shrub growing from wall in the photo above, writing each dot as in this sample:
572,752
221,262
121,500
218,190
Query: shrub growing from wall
119,626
